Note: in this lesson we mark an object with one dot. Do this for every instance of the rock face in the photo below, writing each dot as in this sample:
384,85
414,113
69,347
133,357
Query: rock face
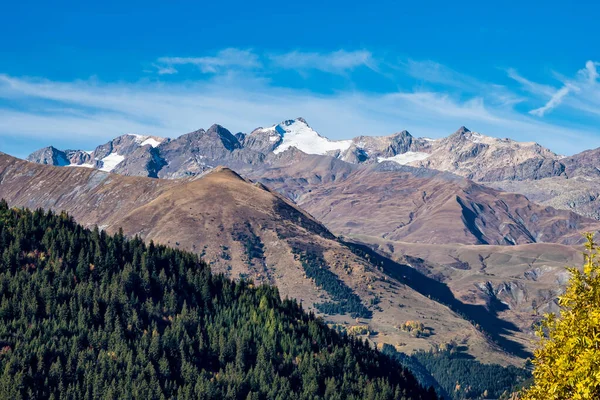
52,156
141,161
137,150
571,183
520,283
480,157
199,151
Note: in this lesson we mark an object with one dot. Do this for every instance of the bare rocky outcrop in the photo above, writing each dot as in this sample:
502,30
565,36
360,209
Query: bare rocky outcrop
52,156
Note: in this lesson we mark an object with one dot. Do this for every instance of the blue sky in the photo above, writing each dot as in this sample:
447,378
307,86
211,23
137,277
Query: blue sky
75,74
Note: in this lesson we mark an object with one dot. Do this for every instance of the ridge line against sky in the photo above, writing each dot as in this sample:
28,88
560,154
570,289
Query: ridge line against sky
242,89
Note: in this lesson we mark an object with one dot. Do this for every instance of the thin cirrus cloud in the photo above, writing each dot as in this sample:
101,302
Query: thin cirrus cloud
436,73
336,62
165,69
224,59
580,93
431,71
555,100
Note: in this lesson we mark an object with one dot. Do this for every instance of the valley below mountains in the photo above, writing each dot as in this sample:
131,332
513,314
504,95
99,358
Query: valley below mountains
467,235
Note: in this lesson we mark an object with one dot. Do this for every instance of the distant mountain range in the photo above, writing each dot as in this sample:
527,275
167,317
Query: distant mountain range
469,230
464,152
571,183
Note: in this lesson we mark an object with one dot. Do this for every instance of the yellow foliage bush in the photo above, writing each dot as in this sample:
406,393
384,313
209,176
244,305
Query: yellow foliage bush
359,330
567,362
415,328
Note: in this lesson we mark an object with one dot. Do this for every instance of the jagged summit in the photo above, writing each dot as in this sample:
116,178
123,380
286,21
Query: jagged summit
462,130
301,120
465,134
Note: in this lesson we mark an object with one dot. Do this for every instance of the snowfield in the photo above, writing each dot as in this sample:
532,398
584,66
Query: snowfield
144,140
405,158
151,141
80,165
111,161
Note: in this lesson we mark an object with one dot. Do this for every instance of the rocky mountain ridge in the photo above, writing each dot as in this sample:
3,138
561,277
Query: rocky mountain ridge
200,150
569,183
130,149
465,153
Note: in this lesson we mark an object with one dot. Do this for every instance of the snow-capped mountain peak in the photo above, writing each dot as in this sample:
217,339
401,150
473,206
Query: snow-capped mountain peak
297,133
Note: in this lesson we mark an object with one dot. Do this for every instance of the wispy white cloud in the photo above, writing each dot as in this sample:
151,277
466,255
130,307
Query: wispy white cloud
433,72
590,73
165,69
530,86
555,100
337,62
224,59
581,93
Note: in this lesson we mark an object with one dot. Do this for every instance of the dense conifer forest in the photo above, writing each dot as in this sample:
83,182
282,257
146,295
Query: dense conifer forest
463,377
458,376
84,314
345,301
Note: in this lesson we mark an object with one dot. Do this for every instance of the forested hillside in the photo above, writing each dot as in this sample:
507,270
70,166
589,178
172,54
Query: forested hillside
466,378
88,315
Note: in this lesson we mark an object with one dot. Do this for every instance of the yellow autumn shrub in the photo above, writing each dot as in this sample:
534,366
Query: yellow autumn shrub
567,362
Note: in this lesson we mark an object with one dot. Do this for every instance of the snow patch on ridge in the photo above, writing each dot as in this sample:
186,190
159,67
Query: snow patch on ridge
296,133
111,161
476,137
151,141
80,165
405,158
144,140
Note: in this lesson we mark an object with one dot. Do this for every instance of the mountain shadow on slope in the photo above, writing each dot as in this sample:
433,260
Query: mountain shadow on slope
485,318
